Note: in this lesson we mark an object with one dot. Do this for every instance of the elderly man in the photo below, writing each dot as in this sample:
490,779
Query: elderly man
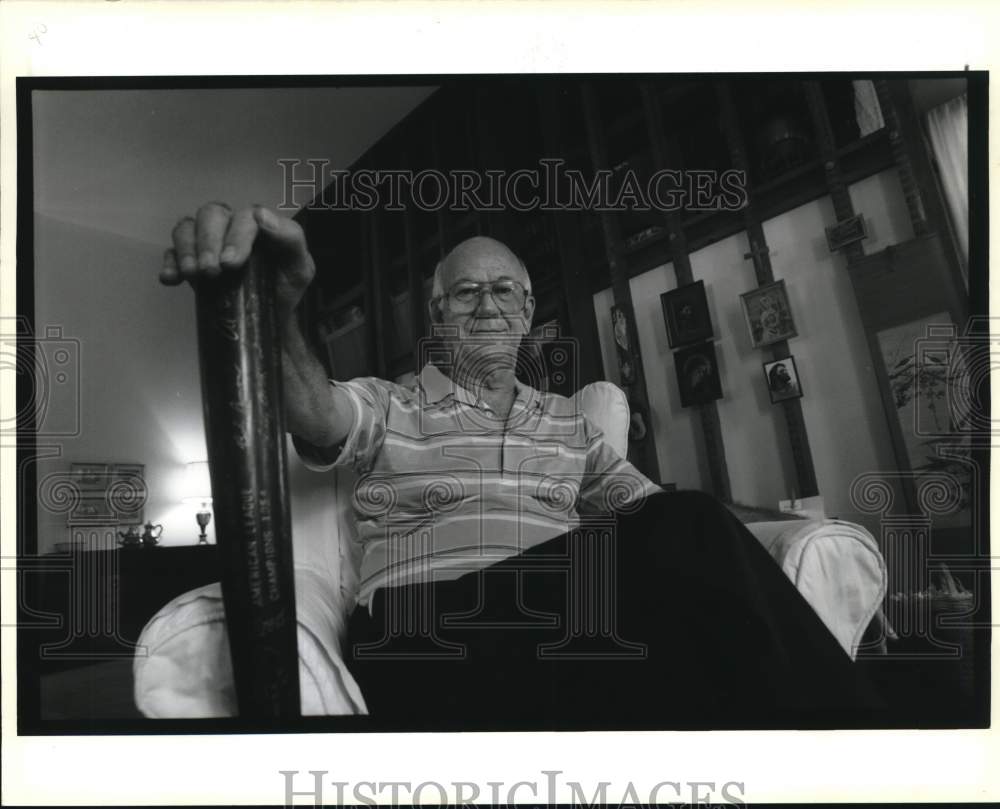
495,522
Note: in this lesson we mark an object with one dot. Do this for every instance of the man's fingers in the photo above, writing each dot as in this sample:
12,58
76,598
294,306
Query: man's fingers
217,239
184,247
239,239
287,239
170,273
212,224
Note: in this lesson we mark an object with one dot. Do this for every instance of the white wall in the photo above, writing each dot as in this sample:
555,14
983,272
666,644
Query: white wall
140,393
841,407
112,172
130,161
140,397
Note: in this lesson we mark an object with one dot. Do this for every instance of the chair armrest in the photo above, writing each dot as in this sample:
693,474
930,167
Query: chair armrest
182,668
835,565
606,406
322,618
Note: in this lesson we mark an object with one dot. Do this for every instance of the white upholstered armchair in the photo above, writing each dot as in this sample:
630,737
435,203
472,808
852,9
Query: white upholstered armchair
182,668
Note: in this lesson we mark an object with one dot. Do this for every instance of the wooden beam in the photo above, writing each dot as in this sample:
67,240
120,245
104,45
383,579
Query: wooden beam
572,273
916,175
664,157
642,452
494,223
805,472
843,207
864,271
707,228
441,223
854,255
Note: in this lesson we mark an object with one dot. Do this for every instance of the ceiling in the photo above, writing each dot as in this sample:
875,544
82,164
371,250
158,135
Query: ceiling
130,162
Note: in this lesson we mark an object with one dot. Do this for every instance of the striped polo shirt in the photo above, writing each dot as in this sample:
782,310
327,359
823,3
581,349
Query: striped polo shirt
445,486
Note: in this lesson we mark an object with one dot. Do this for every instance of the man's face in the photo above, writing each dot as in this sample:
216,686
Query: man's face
484,328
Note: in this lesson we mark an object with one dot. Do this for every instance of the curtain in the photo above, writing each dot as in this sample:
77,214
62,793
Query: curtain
948,132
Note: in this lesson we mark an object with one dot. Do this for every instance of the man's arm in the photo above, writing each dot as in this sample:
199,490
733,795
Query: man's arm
610,483
316,411
217,240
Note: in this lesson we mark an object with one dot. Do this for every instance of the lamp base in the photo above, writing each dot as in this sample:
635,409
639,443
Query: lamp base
203,518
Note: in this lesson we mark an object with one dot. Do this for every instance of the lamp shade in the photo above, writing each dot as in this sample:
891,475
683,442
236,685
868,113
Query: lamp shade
197,483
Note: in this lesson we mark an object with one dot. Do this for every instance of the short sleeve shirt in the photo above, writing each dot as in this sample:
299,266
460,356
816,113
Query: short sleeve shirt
446,486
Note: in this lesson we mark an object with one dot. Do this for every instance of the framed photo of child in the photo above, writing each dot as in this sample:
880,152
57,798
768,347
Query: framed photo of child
768,314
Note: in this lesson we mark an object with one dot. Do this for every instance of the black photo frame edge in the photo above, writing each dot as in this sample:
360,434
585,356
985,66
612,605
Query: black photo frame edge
674,340
767,380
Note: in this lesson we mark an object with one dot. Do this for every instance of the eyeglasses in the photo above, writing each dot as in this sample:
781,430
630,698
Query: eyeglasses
509,296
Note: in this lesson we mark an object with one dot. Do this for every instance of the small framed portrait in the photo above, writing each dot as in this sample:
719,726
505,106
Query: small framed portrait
108,492
782,379
626,358
697,374
768,315
685,311
90,477
845,232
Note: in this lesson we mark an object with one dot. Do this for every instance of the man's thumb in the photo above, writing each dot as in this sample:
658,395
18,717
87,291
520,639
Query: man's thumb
284,235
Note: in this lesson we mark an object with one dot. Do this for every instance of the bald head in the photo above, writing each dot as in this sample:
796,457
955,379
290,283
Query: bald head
473,259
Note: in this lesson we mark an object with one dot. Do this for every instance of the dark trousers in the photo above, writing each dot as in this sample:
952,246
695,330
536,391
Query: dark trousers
669,616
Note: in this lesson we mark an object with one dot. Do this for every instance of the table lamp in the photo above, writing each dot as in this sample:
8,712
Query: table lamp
198,488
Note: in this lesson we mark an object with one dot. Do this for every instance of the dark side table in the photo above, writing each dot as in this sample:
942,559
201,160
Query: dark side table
88,606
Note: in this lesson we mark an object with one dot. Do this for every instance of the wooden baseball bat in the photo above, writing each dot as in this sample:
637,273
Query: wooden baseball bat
240,360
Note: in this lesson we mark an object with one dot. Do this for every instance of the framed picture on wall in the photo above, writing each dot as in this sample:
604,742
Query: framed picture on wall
697,374
108,492
768,314
685,311
782,379
846,232
626,359
90,477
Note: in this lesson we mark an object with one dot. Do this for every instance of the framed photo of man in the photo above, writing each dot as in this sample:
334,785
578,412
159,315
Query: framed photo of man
782,377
